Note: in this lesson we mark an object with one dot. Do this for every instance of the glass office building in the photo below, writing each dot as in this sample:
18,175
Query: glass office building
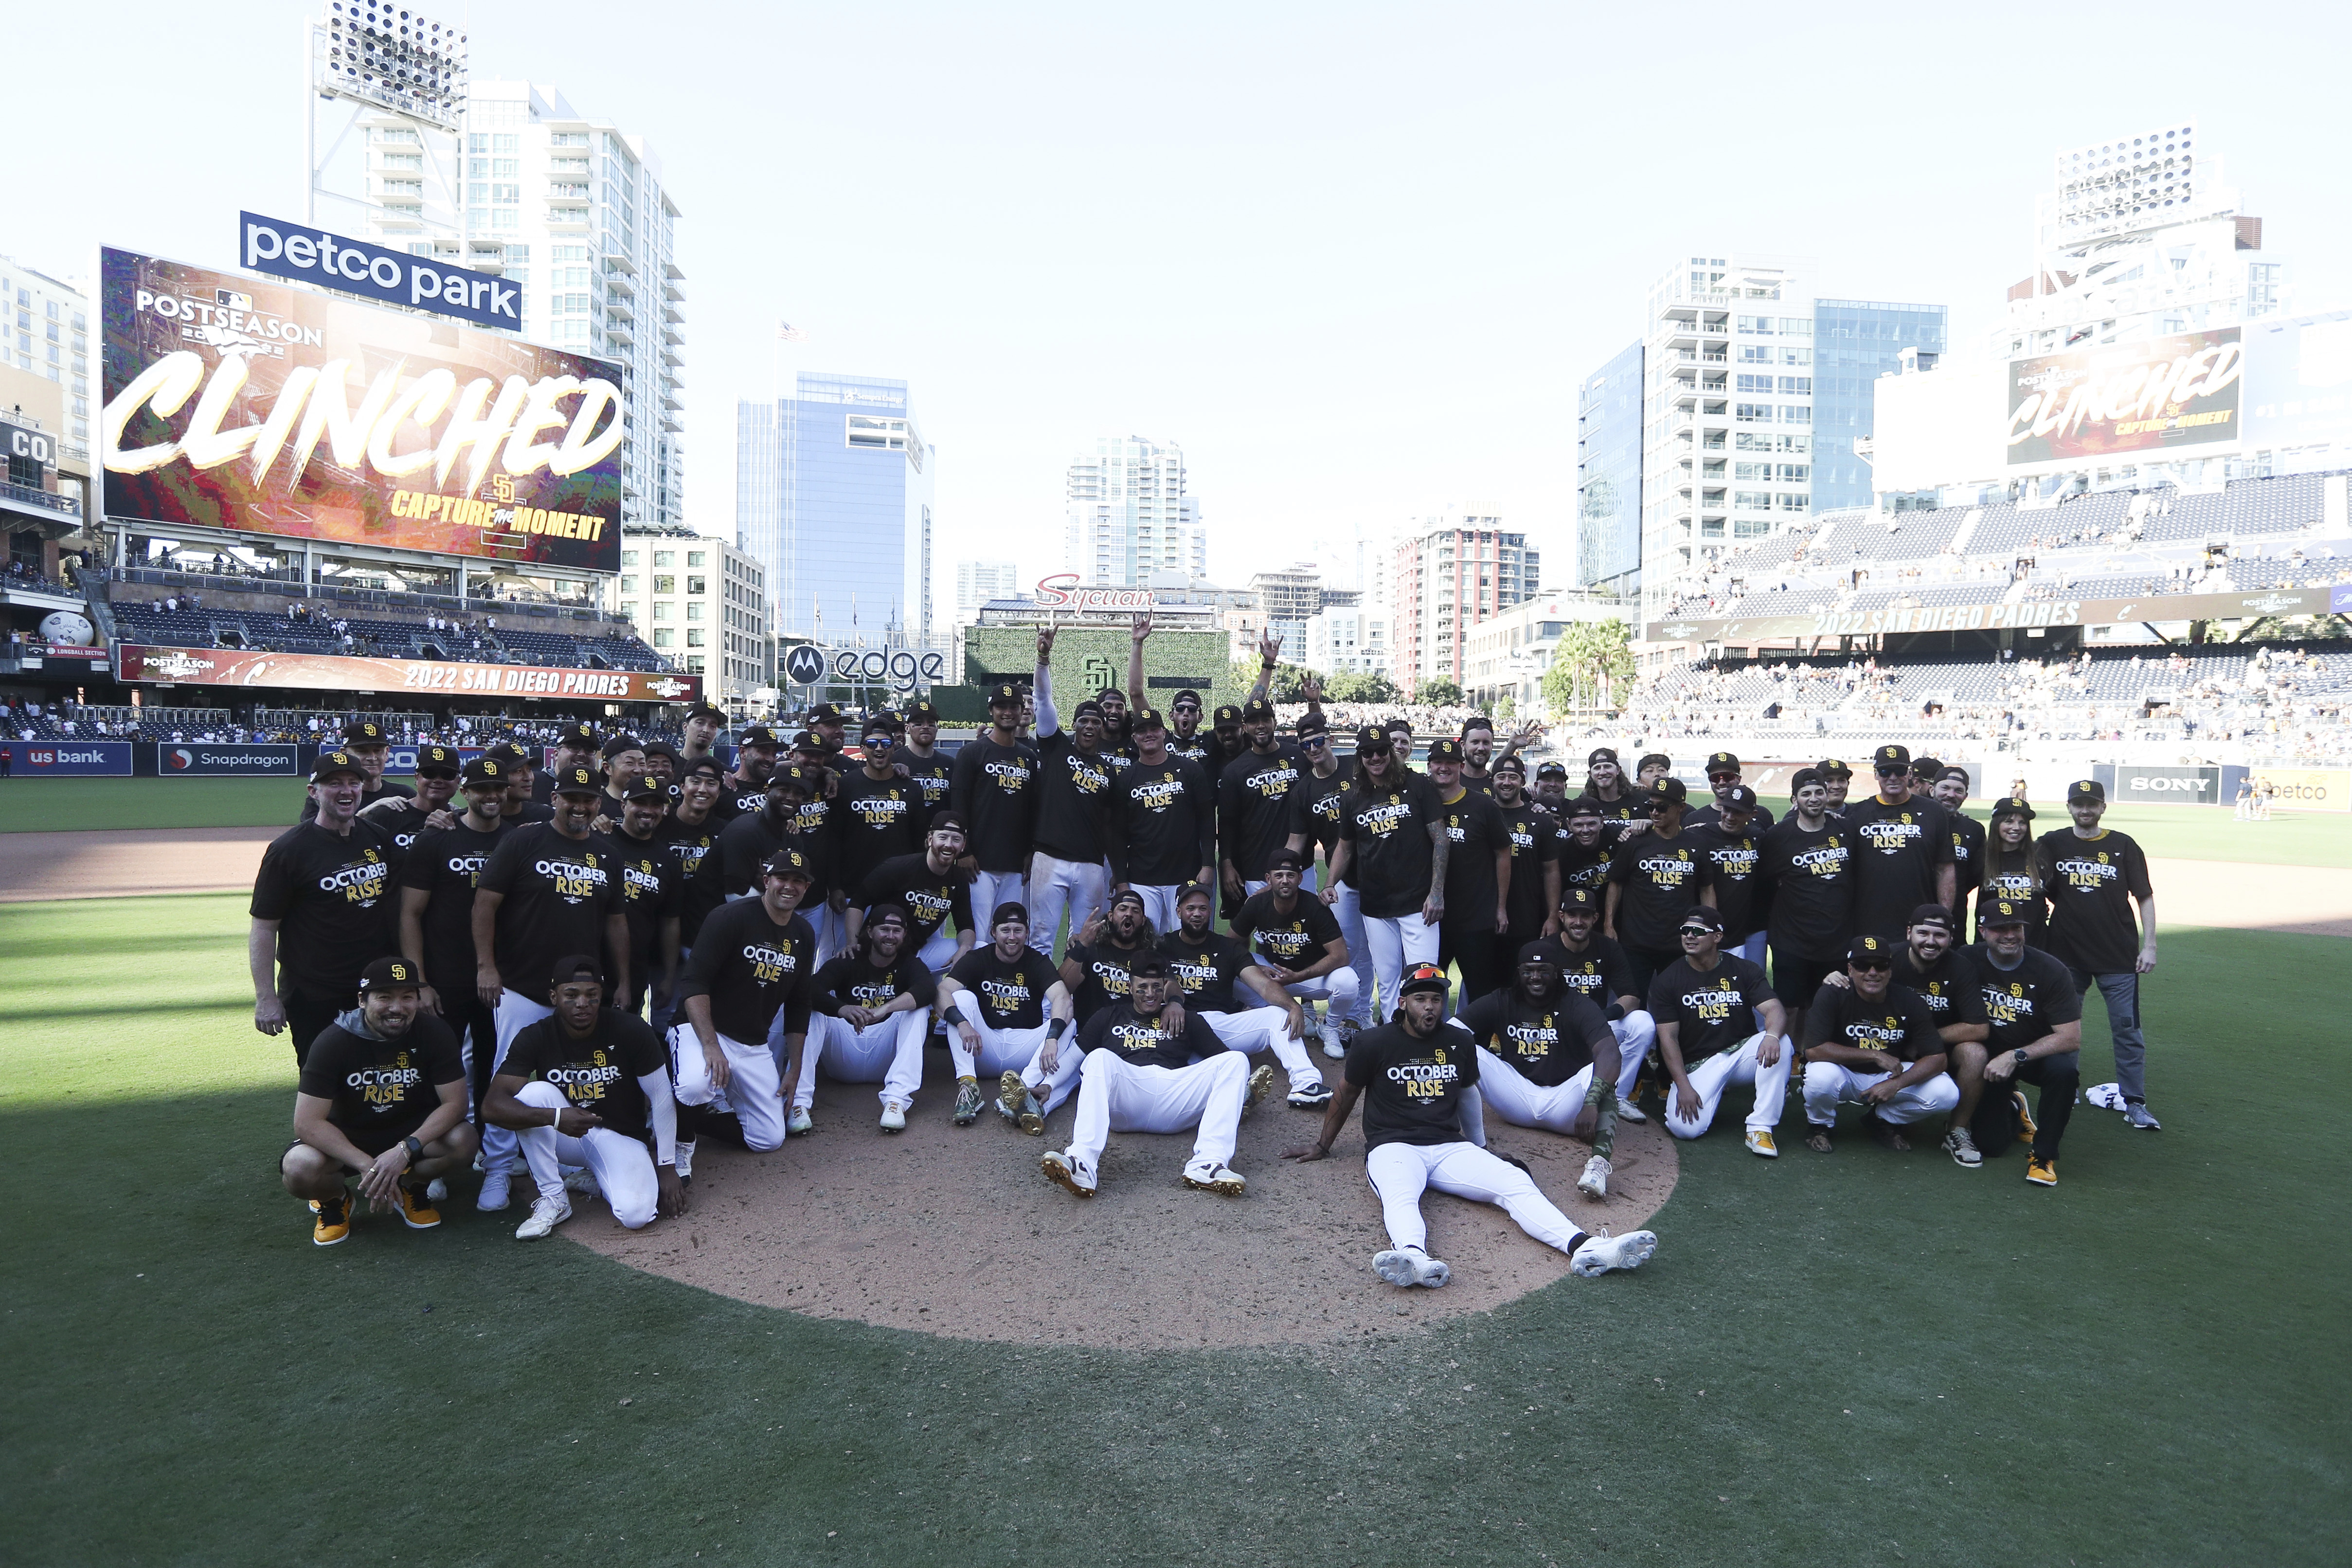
1609,476
833,496
1855,342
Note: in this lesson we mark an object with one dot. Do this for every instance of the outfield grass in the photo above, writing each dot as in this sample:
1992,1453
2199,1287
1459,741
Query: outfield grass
1866,1358
70,805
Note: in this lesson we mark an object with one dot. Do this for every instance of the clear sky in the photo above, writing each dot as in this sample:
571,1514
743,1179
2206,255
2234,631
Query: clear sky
1352,258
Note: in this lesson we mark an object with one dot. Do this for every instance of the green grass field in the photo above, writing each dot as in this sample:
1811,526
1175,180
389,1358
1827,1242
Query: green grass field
1859,1359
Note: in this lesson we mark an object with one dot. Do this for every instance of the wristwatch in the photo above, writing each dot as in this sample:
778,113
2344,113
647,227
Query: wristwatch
2020,1057
415,1150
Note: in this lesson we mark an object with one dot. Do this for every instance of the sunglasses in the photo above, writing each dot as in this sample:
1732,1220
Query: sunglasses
1313,742
1860,969
1895,773
1698,931
1723,777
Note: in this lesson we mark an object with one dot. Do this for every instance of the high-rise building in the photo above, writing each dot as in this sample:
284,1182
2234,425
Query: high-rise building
1128,518
699,601
1609,476
46,334
832,495
1449,574
978,581
570,208
1289,599
1343,638
1855,342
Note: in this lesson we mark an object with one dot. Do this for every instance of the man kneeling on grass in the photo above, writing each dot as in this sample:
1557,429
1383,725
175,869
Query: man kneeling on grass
383,1097
588,1087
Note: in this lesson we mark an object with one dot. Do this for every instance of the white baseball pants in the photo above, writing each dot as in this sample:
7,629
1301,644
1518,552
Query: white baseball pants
1114,1097
1398,944
991,888
1738,1065
1635,1032
1001,1050
1348,909
1400,1172
1159,903
622,1166
939,951
1263,1029
1505,1089
889,1052
1339,987
754,1091
1053,1088
516,1013
1827,1082
1056,886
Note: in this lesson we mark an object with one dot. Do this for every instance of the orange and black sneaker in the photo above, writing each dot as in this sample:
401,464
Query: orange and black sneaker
332,1221
2042,1170
419,1215
2025,1128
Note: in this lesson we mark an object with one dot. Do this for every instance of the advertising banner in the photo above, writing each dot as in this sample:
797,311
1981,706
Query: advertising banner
2166,394
2136,786
377,272
2246,605
2306,789
236,403
2299,381
422,677
69,758
212,760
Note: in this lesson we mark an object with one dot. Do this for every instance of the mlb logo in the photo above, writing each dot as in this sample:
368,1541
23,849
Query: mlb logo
230,299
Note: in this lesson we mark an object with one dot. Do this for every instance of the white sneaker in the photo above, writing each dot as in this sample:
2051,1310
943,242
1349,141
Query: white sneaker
1223,1180
893,1117
546,1213
1629,1112
1405,1266
1594,1182
1961,1145
579,1181
684,1152
493,1196
1603,1252
437,1191
1066,1173
798,1125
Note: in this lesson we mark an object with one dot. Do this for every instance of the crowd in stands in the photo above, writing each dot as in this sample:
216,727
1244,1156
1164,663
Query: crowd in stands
182,620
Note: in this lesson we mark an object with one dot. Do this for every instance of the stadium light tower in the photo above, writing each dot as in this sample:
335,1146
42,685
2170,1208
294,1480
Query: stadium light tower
376,55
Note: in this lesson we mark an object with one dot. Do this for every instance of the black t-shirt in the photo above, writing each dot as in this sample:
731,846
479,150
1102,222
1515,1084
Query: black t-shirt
1950,986
1253,807
730,868
1530,835
749,966
934,777
1011,996
1162,822
1810,876
1387,830
1662,879
1102,975
381,1090
446,865
854,980
1073,795
1295,941
872,821
652,891
1315,807
1617,816
1413,1086
556,893
1142,1041
598,1074
2091,883
1714,1011
813,835
1897,849
405,821
995,792
381,790
334,897
1582,865
1192,749
1474,823
689,844
2024,1004
929,898
1207,976
1548,1044
739,797
1899,1023
1711,816
1600,974
1736,861
1967,853
2014,880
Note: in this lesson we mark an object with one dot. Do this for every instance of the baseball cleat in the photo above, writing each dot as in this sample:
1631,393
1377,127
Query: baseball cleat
1062,1172
332,1220
1629,1112
2025,1128
2137,1115
1261,1089
1759,1142
437,1191
582,1181
685,1151
1010,1094
1032,1114
1408,1266
546,1213
415,1212
1602,1253
1961,1145
1223,1180
967,1107
2042,1170
1594,1182
493,1196
798,1124
894,1115
1311,1096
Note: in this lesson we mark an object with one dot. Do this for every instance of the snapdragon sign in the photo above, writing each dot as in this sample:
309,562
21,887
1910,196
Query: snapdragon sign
389,276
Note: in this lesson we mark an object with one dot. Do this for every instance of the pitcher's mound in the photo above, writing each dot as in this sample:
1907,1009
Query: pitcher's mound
952,1231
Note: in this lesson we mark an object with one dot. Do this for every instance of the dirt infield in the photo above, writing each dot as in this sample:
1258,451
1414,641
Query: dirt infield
127,863
952,1231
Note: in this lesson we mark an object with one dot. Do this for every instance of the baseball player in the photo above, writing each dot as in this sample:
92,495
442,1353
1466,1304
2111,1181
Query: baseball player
437,915
1096,962
746,999
995,794
1323,782
1208,971
1876,1043
1723,777
929,888
383,1097
1581,847
1301,949
1067,873
588,1087
872,1012
733,867
1471,935
1950,792
1161,827
1655,879
1394,849
1621,804
1534,901
1946,977
1807,867
523,804
324,908
653,897
1139,1076
622,759
929,770
2035,1018
1595,967
746,788
699,732
689,834
877,817
1705,1003
1837,778
1253,803
1734,837
1005,1001
406,816
2093,876
1902,849
575,747
1412,1074
1546,1059
366,742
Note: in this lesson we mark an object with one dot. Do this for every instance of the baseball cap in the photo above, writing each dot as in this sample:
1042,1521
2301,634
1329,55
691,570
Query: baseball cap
1892,756
2013,806
1514,763
364,732
1539,952
1147,966
703,765
575,966
1659,757
1583,898
1721,762
1257,709
508,753
706,708
1869,950
1476,721
1008,910
1804,776
648,788
1225,715
1669,789
787,863
1372,738
1145,718
1831,768
1928,766
486,768
622,742
877,726
1186,695
431,760
1952,770
1286,857
946,819
922,713
886,914
1549,769
1931,914
2001,912
1583,806
1739,798
330,763
826,713
1004,693
1131,897
1424,977
1195,890
654,748
758,735
1700,915
579,735
389,974
792,776
1086,708
1313,724
2083,789
575,781
1601,754
1446,750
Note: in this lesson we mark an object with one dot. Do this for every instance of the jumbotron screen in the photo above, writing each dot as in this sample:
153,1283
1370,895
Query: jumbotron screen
240,404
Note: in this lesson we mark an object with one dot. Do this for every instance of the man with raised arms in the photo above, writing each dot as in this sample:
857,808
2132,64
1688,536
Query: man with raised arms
1067,872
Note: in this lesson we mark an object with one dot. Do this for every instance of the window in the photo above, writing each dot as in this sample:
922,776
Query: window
629,557
1755,353
662,609
1753,500
1798,386
1755,383
1796,473
696,585
694,558
664,636
693,664
506,194
1794,503
693,610
1752,413
1751,472
694,636
1796,356
1796,326
665,558
506,143
1796,413
628,583
1761,326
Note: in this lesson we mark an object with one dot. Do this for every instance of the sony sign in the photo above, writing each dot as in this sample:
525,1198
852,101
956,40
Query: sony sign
2168,786
371,272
